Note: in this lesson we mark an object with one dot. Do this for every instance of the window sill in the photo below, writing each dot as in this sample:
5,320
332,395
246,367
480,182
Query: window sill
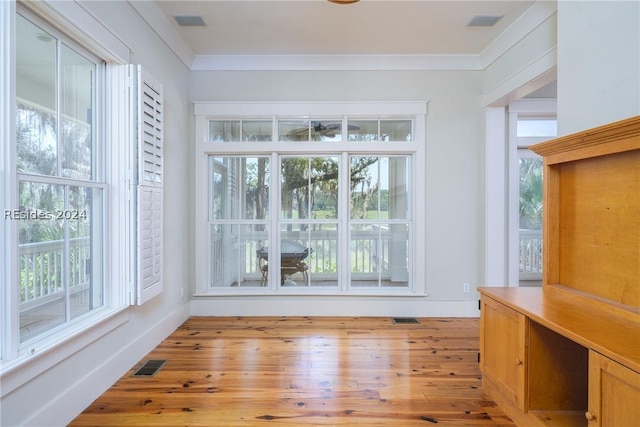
51,351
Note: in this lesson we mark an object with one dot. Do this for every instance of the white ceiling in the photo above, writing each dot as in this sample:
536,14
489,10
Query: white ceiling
317,27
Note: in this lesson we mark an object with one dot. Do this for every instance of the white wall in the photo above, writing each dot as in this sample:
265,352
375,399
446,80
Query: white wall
56,396
598,63
454,177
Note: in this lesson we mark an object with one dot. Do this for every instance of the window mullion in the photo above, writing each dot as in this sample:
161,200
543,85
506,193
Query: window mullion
58,92
274,211
344,224
66,256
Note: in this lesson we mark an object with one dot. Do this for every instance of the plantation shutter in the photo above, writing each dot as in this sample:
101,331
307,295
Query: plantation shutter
150,182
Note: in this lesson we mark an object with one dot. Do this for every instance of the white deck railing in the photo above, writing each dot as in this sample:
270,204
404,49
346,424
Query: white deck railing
42,273
367,257
530,254
364,256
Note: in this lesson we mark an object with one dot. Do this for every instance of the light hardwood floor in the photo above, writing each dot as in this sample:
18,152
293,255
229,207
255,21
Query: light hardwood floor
295,371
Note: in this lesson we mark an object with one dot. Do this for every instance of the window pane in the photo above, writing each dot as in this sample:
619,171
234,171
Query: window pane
310,130
368,254
395,130
309,187
328,130
379,255
257,184
379,187
309,254
238,188
257,130
77,87
36,128
363,130
537,127
238,255
293,130
60,248
530,222
294,188
84,217
380,130
224,130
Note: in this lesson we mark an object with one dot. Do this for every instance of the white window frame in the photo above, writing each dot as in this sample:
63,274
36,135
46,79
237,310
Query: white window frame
20,363
416,149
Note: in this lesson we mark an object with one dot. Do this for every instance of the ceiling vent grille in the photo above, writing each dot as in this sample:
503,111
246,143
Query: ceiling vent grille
484,20
190,21
149,368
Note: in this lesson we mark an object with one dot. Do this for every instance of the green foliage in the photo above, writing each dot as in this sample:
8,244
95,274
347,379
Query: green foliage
530,194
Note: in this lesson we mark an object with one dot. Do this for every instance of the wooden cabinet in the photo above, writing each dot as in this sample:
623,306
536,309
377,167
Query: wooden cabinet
568,354
614,393
503,349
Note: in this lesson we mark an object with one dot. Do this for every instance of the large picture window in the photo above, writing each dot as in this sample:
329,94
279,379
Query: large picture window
61,181
321,204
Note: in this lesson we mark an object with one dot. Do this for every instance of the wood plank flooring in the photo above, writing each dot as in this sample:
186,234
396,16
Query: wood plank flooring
295,371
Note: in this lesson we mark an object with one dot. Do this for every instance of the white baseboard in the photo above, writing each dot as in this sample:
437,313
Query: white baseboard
319,306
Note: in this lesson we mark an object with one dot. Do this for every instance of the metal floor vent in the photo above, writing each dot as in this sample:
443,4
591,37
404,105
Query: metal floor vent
150,368
405,320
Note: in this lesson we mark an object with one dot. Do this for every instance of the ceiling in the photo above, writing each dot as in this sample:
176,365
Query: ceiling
318,27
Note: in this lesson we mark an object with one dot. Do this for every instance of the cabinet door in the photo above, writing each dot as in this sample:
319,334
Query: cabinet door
502,349
614,393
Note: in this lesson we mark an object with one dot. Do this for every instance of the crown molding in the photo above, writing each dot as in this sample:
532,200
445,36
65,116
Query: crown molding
335,62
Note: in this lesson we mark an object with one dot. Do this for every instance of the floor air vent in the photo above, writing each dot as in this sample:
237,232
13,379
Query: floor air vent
150,368
405,320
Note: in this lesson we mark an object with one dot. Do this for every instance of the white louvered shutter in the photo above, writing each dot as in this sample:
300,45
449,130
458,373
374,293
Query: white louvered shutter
150,182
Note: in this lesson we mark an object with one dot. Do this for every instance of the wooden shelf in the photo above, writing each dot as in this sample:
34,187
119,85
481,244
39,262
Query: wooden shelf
561,418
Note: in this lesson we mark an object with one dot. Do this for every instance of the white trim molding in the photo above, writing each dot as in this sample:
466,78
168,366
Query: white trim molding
8,188
336,62
333,306
496,202
334,109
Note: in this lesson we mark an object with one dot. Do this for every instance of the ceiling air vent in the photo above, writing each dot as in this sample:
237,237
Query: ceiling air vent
405,320
150,368
484,20
190,21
